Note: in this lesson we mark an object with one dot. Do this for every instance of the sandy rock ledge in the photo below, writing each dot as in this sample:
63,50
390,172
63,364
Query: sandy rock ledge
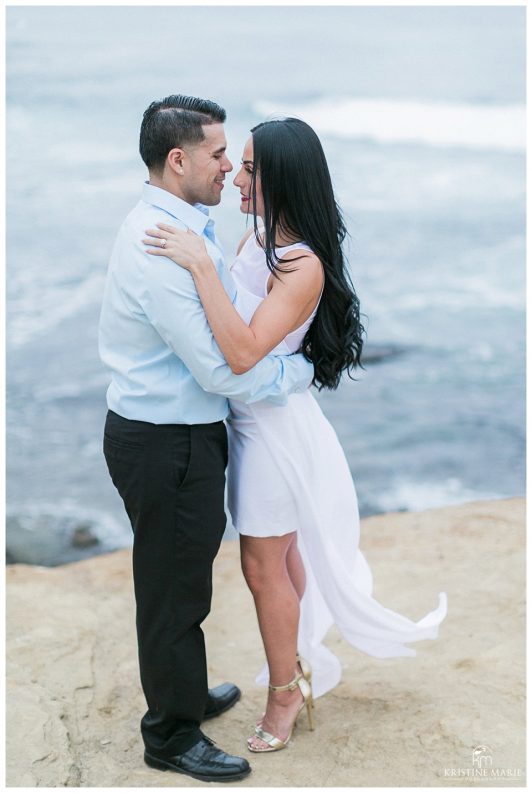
74,698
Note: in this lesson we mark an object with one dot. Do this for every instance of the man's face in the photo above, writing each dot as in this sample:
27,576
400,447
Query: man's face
205,165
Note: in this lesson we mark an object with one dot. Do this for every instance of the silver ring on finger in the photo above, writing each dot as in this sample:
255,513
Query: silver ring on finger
163,243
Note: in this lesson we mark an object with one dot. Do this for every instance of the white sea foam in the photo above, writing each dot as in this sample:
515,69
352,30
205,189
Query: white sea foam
478,126
111,533
415,496
72,389
36,313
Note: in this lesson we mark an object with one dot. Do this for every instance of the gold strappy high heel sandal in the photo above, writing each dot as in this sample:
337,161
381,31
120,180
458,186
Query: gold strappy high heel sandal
306,671
305,668
275,744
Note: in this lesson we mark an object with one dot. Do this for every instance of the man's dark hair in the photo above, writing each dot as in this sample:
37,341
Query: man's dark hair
173,122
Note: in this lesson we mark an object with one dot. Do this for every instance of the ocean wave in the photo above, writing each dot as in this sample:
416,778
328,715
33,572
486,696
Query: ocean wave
468,125
35,313
415,496
50,533
72,390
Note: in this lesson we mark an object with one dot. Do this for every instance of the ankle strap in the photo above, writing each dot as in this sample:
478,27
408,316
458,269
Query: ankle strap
291,686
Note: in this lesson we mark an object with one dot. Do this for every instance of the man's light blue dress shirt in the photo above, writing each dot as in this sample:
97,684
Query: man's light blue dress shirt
154,336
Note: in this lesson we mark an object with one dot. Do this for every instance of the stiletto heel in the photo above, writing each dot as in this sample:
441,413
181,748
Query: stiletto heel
275,744
306,670
310,713
305,667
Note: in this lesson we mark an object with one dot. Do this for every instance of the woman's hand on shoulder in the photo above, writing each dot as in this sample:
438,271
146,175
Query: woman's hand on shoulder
184,247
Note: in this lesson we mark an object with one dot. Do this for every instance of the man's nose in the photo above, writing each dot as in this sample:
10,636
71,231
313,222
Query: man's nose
227,165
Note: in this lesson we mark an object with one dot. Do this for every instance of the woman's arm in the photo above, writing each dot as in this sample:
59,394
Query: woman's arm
290,301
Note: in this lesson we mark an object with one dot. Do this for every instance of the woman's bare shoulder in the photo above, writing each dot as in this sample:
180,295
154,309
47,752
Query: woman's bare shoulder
303,260
301,270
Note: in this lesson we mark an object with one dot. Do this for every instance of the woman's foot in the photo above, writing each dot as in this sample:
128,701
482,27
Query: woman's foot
306,671
281,712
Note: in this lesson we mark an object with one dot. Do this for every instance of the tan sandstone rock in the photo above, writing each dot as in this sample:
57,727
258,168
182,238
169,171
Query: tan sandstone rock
74,698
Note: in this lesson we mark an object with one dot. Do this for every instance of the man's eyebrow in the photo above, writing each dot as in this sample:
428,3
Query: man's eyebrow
220,150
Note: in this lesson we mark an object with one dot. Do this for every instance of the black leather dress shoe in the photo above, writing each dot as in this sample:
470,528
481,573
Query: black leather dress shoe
221,699
203,761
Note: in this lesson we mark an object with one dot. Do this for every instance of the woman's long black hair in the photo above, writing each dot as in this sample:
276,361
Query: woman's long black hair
298,200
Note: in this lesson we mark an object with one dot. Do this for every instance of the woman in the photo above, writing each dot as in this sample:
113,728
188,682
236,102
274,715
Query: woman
291,495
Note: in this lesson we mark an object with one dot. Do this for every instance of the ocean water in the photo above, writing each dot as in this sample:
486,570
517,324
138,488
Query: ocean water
421,114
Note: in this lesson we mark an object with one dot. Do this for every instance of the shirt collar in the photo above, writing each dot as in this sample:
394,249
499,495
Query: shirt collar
194,217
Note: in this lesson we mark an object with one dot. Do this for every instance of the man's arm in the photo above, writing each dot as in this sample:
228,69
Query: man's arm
172,305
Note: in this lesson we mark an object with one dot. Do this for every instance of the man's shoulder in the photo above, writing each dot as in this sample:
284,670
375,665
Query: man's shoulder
133,229
144,216
133,267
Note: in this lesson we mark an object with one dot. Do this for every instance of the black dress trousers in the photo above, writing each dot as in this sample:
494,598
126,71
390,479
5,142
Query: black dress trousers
171,478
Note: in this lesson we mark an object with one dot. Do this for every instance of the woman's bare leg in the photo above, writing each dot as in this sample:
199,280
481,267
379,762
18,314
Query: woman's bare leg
264,563
296,570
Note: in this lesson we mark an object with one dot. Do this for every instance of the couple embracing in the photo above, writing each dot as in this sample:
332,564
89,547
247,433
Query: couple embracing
212,366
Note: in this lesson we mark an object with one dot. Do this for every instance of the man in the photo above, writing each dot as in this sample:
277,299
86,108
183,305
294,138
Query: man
165,441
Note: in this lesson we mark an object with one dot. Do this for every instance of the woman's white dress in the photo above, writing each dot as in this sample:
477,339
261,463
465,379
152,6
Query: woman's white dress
287,472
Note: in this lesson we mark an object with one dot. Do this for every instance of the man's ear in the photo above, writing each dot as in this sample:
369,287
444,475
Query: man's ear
175,160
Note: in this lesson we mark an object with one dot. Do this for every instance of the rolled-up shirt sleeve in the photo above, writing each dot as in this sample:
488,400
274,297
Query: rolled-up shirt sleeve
172,305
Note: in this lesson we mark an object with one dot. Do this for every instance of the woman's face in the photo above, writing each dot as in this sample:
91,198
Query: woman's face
243,181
